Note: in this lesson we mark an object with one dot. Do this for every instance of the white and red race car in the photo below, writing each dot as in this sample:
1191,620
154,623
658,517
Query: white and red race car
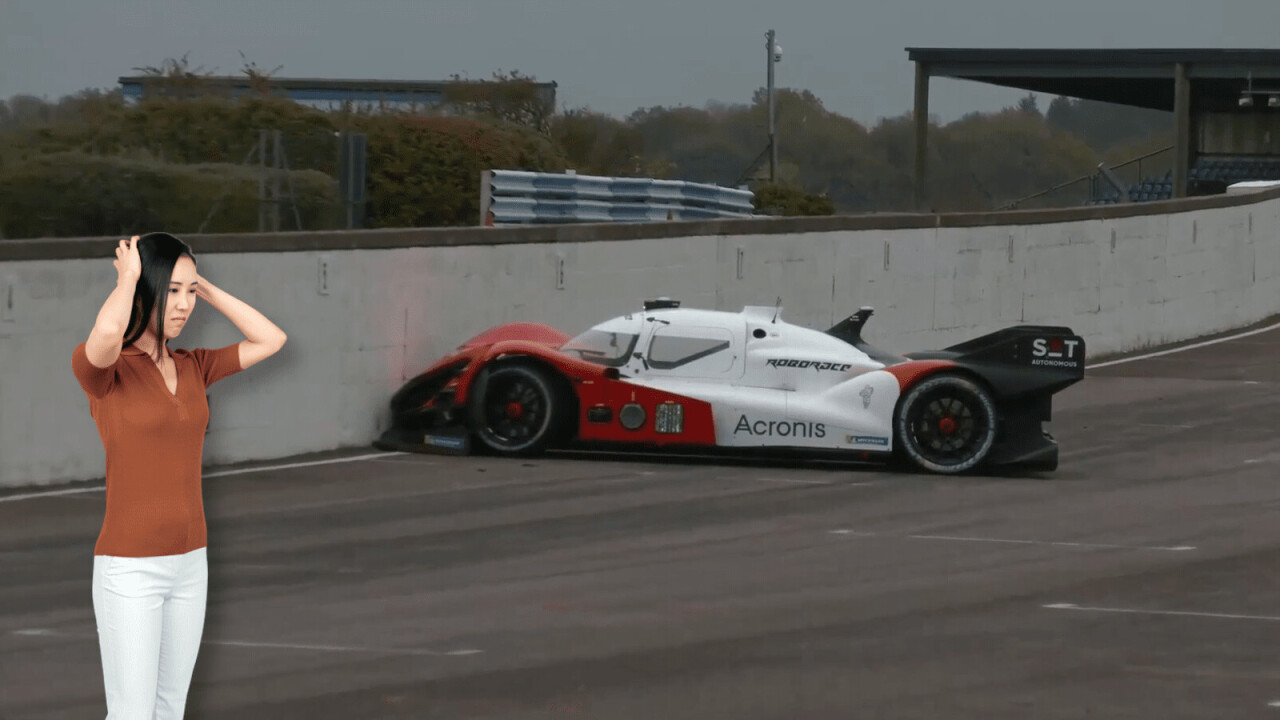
674,378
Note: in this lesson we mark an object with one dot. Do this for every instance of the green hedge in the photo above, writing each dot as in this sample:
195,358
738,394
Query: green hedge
425,170
73,194
791,200
65,177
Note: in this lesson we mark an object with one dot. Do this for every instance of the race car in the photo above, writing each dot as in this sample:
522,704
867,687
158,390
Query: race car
668,377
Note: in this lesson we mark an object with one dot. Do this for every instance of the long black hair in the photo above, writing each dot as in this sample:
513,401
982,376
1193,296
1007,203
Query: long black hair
159,252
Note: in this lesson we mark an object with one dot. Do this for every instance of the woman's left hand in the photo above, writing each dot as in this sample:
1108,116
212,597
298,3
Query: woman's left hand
262,338
204,288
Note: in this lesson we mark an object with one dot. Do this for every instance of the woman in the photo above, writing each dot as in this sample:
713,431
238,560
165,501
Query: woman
150,575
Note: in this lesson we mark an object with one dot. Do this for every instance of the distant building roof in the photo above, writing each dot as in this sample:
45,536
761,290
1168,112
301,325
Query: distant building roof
314,90
1139,77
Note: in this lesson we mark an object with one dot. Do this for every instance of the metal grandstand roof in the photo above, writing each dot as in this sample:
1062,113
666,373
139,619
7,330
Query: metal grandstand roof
1137,77
321,89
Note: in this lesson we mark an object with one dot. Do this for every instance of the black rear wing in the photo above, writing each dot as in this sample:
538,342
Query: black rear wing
1046,347
1036,346
1020,360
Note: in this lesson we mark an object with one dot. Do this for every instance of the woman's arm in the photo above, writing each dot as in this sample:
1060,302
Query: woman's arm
263,338
103,346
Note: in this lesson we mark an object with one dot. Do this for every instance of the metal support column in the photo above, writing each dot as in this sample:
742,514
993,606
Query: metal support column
922,134
1181,131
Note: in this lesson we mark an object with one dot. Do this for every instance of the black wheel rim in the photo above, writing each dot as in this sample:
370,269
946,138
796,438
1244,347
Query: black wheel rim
949,425
503,423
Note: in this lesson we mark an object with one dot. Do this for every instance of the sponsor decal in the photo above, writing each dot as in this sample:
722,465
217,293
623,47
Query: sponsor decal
869,440
1055,363
866,396
1054,352
445,441
780,428
804,364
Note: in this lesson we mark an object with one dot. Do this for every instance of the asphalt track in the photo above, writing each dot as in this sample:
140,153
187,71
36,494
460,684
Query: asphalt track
1138,581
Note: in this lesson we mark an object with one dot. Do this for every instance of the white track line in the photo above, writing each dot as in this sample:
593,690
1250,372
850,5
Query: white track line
41,632
1263,458
958,538
290,466
1181,613
50,493
1176,548
795,482
1206,343
223,473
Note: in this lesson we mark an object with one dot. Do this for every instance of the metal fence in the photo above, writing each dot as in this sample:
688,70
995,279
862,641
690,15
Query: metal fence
512,197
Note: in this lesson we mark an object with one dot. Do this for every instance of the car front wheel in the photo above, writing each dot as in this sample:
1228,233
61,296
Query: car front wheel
517,409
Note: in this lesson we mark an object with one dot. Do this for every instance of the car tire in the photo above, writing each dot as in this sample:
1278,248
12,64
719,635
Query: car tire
517,409
946,424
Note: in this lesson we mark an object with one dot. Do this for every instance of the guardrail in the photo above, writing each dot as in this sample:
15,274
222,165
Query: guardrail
515,197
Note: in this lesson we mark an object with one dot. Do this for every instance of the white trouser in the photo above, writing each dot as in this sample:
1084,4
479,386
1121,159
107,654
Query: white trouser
150,613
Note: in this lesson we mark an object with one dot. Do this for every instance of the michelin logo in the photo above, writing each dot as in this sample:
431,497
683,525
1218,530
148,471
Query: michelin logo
816,365
780,428
869,440
444,441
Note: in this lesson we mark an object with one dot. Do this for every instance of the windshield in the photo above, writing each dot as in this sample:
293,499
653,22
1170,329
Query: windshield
602,347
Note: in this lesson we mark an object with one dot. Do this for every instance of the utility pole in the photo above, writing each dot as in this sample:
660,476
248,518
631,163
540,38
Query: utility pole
774,54
262,181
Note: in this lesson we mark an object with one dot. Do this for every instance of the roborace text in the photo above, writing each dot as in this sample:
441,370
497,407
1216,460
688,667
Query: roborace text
816,365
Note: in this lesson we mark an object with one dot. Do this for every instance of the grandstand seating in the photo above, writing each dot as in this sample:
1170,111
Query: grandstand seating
1219,170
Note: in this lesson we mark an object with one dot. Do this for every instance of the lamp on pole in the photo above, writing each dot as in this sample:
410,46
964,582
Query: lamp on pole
774,55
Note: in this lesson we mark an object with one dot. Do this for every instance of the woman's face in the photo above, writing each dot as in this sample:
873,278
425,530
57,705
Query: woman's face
182,296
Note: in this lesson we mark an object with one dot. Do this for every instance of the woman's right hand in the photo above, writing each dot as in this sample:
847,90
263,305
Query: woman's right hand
128,263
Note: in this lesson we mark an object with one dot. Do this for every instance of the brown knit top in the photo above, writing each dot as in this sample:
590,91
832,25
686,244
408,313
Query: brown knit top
154,440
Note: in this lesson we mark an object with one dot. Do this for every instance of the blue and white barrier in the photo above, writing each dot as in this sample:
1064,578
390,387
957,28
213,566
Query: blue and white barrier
515,197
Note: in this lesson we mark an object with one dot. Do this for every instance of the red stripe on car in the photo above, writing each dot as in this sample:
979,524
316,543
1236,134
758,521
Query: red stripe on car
911,371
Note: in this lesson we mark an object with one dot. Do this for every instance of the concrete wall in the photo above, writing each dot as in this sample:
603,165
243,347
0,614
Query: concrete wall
1124,278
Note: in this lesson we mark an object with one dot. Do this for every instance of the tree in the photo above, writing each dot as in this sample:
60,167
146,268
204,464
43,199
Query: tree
1106,125
597,144
176,78
28,110
259,79
510,97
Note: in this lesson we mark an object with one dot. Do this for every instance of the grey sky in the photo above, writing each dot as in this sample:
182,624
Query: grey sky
611,56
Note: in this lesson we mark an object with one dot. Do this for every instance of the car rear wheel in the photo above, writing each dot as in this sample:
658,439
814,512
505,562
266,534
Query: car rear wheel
517,409
946,424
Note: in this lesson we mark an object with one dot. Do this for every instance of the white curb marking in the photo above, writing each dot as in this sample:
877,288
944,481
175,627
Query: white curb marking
44,632
223,473
1176,548
290,466
958,538
50,493
795,482
1139,611
1206,343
